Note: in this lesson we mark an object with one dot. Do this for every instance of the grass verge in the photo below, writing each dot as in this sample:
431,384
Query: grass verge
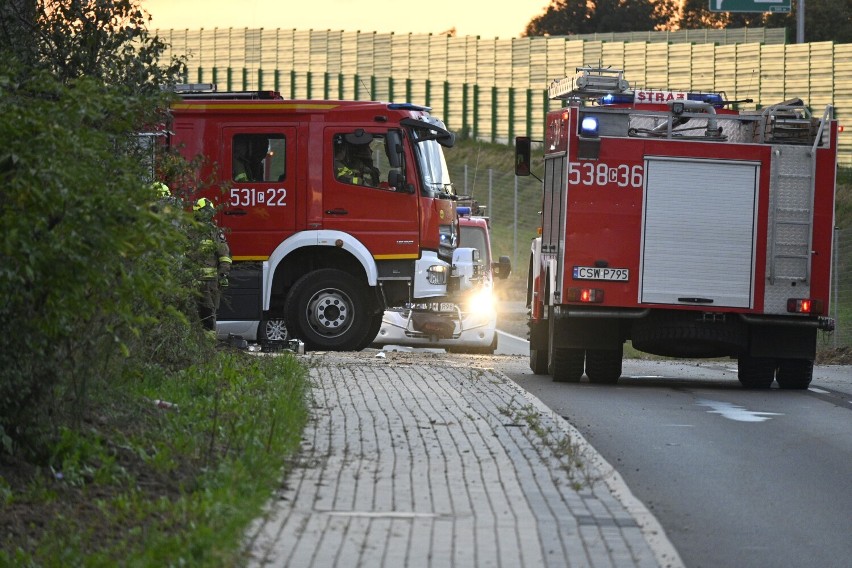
165,470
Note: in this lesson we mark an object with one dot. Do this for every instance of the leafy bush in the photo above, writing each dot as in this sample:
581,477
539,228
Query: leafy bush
87,265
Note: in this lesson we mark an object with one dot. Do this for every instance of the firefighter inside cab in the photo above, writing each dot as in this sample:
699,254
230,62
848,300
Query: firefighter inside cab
353,159
212,255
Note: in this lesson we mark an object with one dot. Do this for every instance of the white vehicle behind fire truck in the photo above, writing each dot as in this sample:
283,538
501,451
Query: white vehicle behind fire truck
469,326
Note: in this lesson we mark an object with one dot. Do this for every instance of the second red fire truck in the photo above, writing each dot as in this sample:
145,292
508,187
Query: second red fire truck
334,210
682,225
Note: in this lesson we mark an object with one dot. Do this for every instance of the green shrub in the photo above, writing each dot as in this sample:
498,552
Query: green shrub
87,265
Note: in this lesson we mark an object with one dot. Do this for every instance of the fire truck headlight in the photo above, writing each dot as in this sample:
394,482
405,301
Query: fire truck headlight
481,301
437,274
447,243
589,126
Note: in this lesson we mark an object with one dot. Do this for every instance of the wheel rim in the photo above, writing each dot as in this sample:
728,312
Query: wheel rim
330,312
275,330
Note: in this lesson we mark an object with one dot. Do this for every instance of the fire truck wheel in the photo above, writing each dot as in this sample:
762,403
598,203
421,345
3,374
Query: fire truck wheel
755,372
794,373
567,365
538,361
372,331
272,329
328,310
538,345
603,366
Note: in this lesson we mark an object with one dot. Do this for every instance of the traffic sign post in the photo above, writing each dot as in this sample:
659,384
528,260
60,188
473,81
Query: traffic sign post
779,6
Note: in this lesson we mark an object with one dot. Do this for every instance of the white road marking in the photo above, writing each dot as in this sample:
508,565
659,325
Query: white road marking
512,336
820,391
734,412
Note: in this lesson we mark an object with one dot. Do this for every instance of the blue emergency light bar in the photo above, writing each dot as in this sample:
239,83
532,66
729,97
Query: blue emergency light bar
616,99
714,99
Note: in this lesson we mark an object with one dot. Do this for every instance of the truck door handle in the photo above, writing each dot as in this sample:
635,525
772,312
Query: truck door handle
337,211
236,212
696,300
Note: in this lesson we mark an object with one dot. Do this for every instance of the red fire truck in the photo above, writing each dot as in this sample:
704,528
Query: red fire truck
334,210
682,225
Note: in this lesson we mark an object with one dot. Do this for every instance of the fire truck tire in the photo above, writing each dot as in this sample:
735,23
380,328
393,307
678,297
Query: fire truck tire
328,311
794,373
755,372
272,329
372,331
567,365
538,361
603,366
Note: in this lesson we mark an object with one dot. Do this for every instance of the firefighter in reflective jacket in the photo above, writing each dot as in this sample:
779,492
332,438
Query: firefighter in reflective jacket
354,164
213,258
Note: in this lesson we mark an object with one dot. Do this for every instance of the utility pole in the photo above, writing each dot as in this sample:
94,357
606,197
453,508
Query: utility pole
800,22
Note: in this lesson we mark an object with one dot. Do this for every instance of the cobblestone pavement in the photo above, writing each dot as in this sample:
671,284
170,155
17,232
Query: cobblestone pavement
426,461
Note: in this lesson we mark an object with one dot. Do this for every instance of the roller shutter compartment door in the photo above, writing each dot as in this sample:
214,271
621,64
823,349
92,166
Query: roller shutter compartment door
698,232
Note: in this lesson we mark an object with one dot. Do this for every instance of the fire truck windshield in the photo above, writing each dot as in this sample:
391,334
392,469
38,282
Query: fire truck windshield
433,168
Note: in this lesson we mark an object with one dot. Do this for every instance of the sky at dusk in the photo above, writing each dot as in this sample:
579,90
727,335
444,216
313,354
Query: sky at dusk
483,18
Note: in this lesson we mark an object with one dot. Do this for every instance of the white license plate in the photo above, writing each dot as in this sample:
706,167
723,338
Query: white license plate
597,273
442,307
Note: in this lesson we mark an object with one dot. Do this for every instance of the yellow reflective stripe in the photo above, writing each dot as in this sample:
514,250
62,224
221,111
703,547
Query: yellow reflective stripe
259,106
394,256
225,259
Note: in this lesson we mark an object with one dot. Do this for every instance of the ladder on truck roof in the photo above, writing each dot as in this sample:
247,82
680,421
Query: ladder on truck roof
589,82
210,91
792,201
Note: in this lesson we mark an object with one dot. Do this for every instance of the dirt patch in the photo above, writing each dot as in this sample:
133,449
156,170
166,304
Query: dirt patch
836,356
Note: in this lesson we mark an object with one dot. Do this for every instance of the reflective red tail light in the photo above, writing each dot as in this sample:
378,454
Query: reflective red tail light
584,295
804,306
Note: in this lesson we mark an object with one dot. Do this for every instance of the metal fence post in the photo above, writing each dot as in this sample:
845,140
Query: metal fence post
490,210
515,226
835,270
465,181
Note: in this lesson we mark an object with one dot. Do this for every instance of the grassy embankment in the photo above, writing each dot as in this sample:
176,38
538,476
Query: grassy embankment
163,469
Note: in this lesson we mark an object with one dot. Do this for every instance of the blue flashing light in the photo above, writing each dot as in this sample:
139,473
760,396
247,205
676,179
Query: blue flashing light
462,211
714,99
407,106
589,126
616,99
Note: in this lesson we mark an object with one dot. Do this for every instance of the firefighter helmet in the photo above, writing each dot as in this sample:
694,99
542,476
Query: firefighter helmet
202,203
162,189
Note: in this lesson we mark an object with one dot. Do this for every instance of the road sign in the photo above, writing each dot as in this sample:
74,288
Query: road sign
780,6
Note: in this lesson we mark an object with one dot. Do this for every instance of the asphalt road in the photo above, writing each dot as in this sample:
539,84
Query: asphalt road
735,477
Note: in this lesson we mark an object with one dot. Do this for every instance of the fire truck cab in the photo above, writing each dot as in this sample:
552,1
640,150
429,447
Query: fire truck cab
682,225
334,210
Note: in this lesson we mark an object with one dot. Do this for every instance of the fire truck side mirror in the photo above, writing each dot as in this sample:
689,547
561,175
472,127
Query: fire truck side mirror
397,182
394,149
522,156
503,268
